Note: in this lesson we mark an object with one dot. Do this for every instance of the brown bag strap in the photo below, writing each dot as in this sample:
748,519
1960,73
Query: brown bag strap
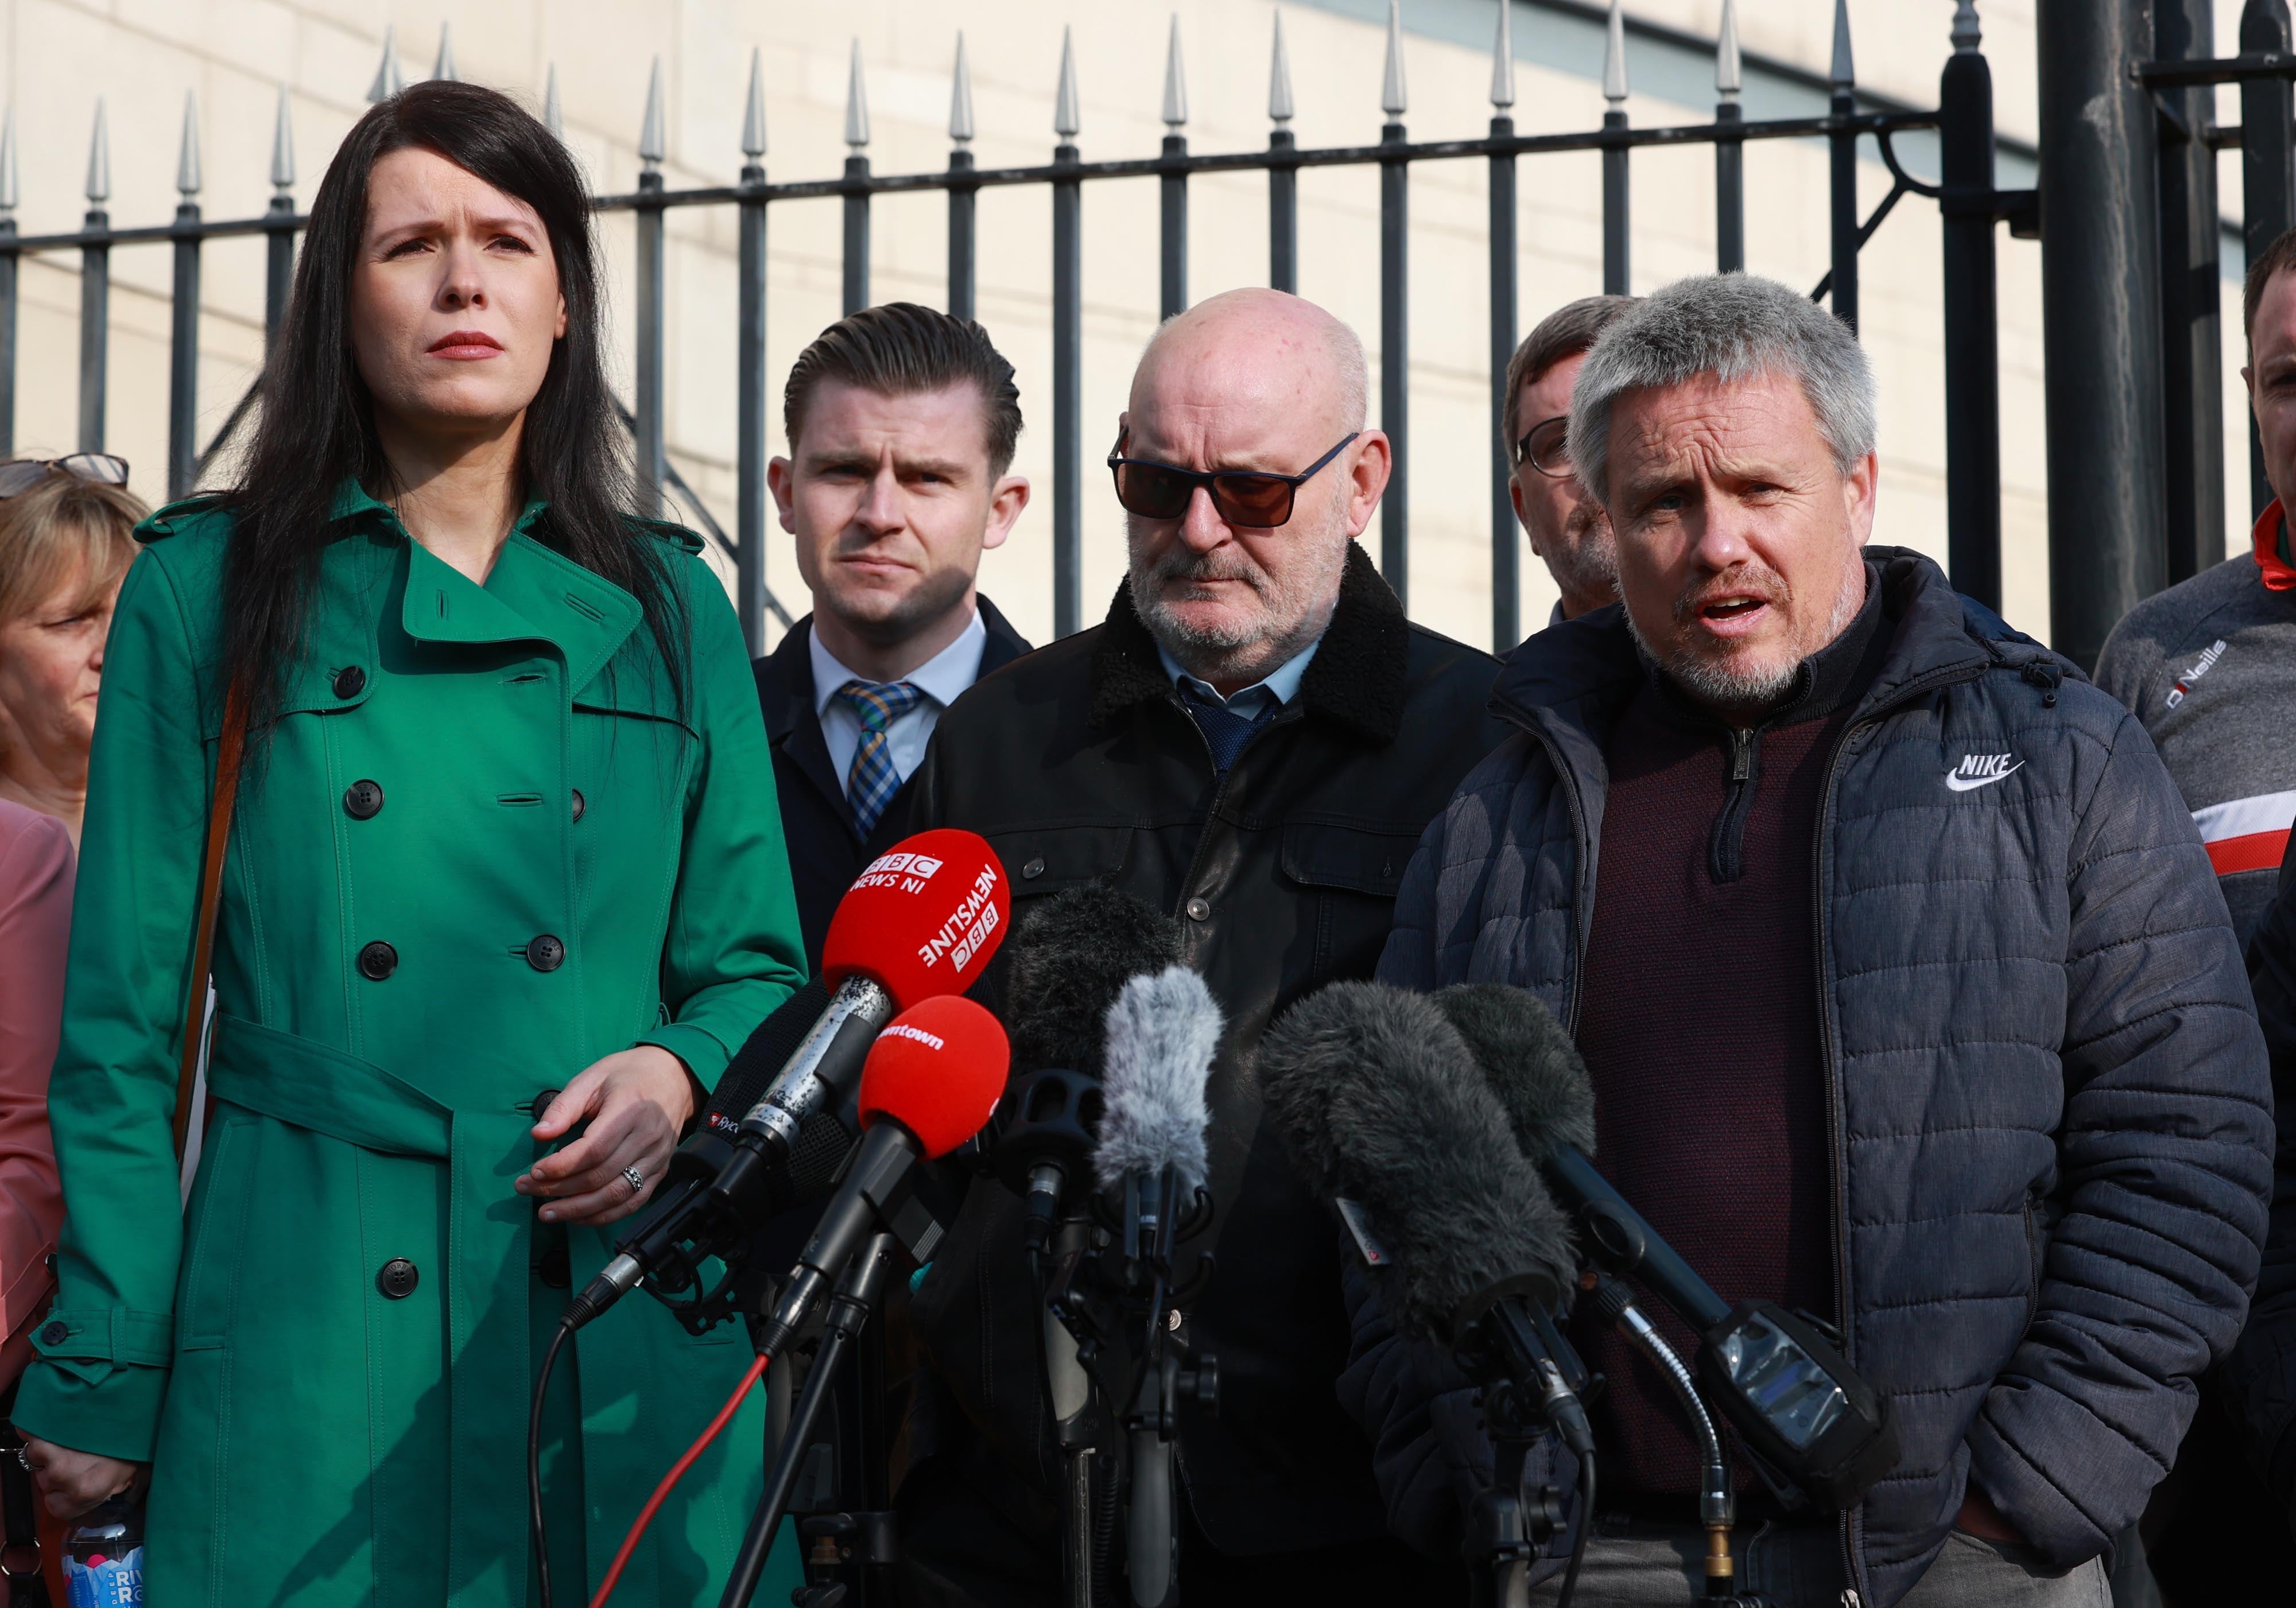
228,751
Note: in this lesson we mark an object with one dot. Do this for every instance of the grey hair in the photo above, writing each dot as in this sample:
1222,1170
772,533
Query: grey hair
1736,327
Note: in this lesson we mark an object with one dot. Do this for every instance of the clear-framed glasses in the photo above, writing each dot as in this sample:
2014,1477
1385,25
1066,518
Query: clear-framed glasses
1545,446
19,475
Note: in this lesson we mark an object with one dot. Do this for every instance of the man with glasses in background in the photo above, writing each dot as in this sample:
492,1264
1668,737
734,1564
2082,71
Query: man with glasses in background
1251,742
1568,529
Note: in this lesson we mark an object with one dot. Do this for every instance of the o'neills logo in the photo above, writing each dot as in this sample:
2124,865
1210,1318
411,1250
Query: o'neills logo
907,872
2202,667
902,1029
961,936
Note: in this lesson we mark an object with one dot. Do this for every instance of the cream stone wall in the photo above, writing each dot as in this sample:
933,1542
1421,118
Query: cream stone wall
140,57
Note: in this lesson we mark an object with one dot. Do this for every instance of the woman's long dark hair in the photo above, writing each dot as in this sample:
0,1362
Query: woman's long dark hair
317,423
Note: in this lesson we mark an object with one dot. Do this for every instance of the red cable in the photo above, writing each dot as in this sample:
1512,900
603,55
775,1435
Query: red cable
678,1472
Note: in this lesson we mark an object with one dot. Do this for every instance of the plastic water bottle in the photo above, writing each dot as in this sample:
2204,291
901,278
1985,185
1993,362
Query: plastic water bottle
103,1558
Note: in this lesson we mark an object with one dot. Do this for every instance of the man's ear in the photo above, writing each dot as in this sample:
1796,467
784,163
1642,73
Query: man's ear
781,479
1861,490
1005,503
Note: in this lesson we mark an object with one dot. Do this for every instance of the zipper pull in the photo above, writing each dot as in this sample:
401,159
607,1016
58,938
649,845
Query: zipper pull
1742,760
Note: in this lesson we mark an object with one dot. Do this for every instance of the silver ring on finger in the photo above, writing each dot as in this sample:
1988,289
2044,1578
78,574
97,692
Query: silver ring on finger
24,1458
636,1179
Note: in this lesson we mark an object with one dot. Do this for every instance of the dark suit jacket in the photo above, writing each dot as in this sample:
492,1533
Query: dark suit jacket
825,853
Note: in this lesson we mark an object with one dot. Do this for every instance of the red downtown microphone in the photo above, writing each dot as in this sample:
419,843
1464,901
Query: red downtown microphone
932,1082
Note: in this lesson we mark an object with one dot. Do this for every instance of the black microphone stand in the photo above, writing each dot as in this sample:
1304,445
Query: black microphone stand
847,1312
1532,1385
1118,1283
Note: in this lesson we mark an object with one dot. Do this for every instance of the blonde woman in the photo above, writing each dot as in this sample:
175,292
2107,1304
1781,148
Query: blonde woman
64,545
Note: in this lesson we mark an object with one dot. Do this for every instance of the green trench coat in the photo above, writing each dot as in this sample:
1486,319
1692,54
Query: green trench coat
563,864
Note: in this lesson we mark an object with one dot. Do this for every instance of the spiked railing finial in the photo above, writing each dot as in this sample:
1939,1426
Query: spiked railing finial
1503,59
856,105
1614,57
187,162
1729,71
753,109
1391,98
553,115
1175,82
653,144
1280,105
387,79
8,188
283,147
960,98
1844,74
443,66
1967,34
99,160
1068,120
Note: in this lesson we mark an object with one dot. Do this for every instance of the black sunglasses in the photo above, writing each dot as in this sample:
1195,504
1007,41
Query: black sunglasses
1243,497
19,475
1545,446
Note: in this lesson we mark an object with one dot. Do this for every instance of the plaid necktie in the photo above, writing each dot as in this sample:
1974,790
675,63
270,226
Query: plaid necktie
871,782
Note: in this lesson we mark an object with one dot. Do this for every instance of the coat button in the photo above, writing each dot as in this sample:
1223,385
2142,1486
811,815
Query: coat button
377,961
556,1267
397,1279
546,953
54,1334
1200,910
1033,870
362,800
578,805
350,682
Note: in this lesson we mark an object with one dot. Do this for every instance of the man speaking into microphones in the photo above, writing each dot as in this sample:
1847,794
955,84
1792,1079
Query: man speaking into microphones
1907,998
1250,744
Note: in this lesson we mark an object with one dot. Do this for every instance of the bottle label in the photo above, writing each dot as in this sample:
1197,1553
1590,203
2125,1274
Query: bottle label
106,1583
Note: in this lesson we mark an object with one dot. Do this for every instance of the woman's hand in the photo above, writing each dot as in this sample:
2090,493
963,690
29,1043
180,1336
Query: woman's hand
73,1483
636,1102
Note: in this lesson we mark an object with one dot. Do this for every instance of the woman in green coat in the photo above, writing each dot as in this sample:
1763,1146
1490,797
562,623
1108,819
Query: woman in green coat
506,824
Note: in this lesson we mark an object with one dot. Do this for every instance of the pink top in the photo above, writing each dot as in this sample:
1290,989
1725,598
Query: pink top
36,896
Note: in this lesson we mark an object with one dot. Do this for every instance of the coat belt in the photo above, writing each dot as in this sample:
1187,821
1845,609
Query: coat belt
312,1085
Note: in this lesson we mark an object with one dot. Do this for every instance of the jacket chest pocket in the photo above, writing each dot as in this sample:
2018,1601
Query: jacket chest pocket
1049,859
1352,871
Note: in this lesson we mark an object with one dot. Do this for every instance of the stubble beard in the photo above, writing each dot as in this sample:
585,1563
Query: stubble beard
1587,565
886,620
1743,679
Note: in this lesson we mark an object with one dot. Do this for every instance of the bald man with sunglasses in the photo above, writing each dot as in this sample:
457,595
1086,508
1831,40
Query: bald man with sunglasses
1252,741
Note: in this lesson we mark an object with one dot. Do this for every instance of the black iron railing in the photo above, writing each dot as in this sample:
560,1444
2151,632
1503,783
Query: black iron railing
1971,206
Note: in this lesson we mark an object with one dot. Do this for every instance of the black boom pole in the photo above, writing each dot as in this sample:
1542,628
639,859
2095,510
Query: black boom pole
2101,318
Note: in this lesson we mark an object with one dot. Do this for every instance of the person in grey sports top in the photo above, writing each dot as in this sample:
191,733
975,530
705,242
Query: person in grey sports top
2207,665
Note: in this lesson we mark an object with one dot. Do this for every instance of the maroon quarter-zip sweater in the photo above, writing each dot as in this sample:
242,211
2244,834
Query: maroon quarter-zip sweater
1699,1021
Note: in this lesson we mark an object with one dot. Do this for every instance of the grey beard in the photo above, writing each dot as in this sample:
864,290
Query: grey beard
1293,614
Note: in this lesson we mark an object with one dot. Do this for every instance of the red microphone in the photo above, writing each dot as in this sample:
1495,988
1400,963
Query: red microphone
938,1071
932,1082
918,923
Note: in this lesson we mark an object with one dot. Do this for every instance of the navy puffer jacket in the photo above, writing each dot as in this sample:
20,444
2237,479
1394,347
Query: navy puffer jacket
2050,1105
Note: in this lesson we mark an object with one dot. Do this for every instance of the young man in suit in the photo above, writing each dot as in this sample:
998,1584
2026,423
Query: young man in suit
902,422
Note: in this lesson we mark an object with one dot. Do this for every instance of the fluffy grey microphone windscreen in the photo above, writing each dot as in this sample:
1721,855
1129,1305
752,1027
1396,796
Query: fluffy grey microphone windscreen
1162,1033
1070,956
1382,1103
1532,1065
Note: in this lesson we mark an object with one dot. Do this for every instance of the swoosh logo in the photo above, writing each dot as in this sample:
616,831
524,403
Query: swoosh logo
1961,784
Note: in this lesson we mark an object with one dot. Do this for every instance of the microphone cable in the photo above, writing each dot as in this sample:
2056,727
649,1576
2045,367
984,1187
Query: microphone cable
538,1527
678,1472
1585,1528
